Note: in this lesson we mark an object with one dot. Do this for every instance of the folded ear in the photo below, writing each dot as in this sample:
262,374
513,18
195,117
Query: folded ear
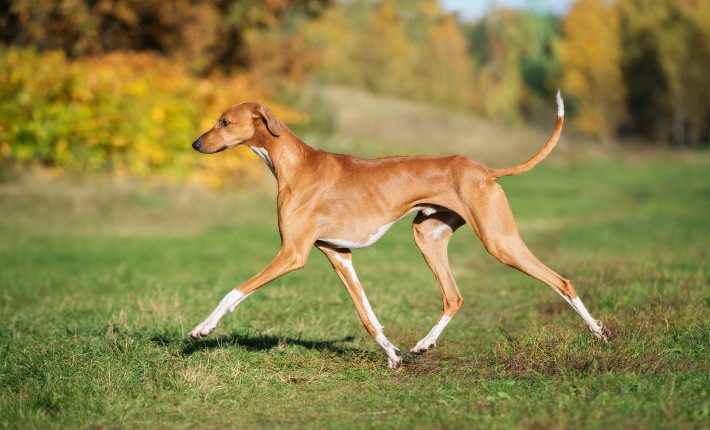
271,122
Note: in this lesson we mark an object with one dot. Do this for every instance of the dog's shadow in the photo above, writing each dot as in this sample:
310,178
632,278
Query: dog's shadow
252,342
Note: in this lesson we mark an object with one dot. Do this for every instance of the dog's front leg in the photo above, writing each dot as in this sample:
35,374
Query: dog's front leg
228,303
341,259
286,261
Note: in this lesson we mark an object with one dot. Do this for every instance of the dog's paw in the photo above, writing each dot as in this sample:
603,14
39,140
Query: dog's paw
423,346
421,349
602,332
396,362
201,331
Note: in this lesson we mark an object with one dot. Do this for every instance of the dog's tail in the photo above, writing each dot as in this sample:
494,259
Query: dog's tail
546,149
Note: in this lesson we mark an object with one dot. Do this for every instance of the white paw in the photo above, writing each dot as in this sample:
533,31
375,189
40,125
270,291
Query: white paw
201,331
396,361
423,346
601,332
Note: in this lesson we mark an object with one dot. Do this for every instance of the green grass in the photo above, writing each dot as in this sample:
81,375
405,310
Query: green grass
101,283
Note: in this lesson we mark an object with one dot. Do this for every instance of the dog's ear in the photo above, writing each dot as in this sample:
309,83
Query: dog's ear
271,122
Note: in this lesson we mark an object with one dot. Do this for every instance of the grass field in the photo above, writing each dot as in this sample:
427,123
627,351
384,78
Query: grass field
101,283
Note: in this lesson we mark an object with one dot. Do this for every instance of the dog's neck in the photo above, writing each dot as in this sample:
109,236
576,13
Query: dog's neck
284,155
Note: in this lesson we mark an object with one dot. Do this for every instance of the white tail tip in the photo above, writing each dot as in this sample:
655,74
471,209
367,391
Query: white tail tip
560,105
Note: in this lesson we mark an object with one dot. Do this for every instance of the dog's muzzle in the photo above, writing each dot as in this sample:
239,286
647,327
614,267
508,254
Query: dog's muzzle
196,144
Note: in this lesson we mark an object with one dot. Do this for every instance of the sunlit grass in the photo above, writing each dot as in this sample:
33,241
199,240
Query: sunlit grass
101,283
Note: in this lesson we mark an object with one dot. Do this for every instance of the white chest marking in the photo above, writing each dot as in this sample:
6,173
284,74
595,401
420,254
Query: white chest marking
264,155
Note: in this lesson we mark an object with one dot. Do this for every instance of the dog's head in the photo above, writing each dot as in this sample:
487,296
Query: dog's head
238,124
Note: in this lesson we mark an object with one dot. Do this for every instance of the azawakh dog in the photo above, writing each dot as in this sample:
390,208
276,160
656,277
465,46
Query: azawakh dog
338,202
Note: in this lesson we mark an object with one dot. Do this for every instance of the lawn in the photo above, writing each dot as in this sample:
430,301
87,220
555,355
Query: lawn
101,283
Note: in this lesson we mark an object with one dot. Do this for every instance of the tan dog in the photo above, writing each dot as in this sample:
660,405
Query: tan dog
337,202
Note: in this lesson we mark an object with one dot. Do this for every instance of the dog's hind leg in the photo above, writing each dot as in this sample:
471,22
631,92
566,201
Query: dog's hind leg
342,262
432,234
493,221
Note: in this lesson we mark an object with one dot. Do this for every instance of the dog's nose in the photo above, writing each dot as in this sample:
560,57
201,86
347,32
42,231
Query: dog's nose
196,144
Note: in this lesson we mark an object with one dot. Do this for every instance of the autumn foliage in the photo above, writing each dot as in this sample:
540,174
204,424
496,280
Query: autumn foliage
131,114
122,86
591,54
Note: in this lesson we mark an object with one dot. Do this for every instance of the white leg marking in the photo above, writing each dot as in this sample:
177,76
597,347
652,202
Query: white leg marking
439,231
348,265
394,355
582,311
429,340
371,314
228,303
596,326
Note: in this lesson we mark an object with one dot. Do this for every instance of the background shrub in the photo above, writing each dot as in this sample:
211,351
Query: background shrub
126,114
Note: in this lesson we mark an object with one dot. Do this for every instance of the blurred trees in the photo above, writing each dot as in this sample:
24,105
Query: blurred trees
591,60
631,67
517,64
402,48
106,84
124,86
385,55
640,67
667,52
205,34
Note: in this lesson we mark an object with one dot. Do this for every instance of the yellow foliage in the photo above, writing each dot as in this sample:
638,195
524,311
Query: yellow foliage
126,114
591,61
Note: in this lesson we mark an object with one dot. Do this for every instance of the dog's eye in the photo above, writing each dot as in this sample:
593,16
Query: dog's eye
224,123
